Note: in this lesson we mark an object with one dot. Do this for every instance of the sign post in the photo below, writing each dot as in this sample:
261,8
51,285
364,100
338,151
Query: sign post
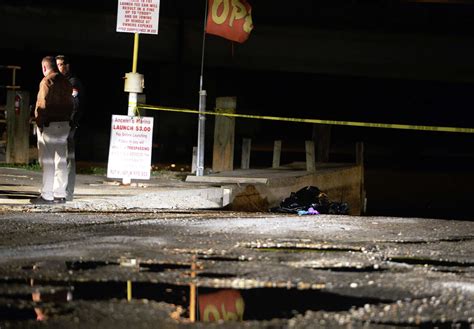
138,17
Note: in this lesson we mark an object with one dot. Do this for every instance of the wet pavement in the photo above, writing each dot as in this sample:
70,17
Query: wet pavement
147,268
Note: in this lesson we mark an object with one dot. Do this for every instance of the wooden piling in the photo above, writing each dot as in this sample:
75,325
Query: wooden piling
276,154
246,147
310,156
224,135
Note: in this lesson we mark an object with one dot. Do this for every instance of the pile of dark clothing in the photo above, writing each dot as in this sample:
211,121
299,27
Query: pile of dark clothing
310,200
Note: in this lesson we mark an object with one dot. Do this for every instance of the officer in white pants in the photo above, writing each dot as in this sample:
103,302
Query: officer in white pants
52,154
52,113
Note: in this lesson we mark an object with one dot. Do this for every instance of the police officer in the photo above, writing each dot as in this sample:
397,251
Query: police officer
78,101
52,114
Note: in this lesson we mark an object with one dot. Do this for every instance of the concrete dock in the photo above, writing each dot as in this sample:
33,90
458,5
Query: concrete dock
261,189
240,190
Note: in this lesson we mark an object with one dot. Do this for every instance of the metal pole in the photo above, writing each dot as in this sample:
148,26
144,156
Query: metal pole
201,134
203,43
202,107
132,97
135,52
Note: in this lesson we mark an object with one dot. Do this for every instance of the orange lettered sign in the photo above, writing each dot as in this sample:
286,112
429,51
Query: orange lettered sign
230,19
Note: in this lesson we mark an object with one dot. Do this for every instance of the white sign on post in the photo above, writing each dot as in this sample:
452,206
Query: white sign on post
138,16
130,147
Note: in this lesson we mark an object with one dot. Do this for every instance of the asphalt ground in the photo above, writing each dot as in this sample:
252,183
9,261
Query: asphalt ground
138,267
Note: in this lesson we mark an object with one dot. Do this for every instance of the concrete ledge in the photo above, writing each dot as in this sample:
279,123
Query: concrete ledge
226,180
189,198
261,189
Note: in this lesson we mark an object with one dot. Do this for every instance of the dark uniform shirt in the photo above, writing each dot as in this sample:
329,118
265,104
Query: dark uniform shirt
78,99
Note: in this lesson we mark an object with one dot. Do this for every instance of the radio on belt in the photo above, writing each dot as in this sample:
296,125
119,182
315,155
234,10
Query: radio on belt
134,82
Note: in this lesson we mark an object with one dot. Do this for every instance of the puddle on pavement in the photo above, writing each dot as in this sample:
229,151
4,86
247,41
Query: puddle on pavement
11,313
53,298
458,239
307,249
222,258
143,267
216,275
428,324
351,269
87,265
429,262
155,268
16,194
465,238
301,247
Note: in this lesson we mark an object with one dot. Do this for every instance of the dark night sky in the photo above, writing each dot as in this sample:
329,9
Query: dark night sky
383,61
437,16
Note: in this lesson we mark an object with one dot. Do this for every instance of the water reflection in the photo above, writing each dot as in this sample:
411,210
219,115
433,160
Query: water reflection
52,299
54,296
215,305
192,302
221,305
204,304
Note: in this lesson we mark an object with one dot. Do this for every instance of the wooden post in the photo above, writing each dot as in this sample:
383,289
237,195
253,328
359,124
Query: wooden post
246,147
276,154
360,162
310,156
18,127
322,140
224,135
360,153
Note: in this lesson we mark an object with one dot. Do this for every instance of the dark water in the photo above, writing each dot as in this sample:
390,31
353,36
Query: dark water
55,300
250,304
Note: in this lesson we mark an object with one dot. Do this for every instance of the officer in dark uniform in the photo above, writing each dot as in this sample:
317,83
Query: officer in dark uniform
78,101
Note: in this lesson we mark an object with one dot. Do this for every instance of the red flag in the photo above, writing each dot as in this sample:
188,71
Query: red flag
230,19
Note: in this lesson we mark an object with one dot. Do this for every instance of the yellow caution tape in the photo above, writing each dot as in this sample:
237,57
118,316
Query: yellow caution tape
324,122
